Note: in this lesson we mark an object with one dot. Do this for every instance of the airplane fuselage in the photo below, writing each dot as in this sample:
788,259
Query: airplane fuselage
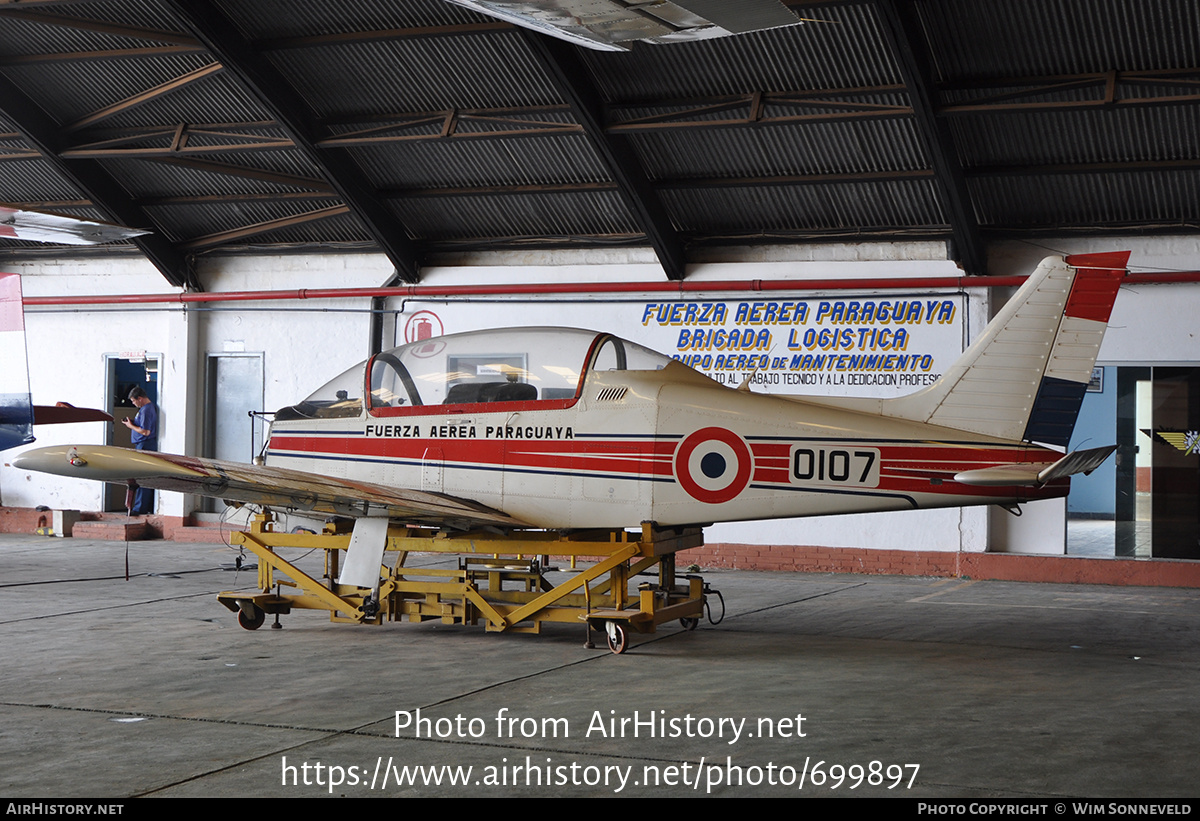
669,446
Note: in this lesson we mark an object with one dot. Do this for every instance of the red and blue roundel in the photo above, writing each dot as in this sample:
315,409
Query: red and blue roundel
713,465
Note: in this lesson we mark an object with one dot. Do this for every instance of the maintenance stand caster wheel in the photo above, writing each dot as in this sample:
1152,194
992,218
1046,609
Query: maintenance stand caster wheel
618,637
252,622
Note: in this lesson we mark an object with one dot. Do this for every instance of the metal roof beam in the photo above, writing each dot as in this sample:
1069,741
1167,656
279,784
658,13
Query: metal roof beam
497,190
245,196
821,106
266,84
562,65
100,54
307,183
84,24
180,139
902,27
223,237
1108,89
93,182
143,97
696,184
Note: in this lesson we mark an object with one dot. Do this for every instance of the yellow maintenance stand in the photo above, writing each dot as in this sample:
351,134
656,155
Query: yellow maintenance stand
500,578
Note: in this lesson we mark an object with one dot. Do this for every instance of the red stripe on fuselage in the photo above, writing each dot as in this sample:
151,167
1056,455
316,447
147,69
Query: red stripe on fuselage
638,457
904,468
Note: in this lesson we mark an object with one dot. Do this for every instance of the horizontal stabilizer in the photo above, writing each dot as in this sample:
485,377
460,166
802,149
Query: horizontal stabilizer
1036,473
1080,461
62,413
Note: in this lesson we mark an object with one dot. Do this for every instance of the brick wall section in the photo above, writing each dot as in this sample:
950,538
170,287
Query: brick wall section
995,566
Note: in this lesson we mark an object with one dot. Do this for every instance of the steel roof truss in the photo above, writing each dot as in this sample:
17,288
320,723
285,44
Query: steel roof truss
224,237
228,169
143,97
267,85
901,25
84,24
563,67
91,180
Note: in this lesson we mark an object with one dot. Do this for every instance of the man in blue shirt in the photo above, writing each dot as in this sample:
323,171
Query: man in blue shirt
144,434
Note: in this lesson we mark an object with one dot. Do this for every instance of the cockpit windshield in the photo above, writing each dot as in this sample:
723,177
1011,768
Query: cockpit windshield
512,365
339,398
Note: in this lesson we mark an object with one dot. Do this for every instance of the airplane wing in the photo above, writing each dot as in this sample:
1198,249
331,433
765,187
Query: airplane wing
607,25
274,487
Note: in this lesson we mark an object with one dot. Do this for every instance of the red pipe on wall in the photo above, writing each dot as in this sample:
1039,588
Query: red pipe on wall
541,289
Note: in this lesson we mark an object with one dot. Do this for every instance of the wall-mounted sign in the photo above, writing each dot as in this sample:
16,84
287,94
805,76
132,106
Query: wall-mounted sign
876,346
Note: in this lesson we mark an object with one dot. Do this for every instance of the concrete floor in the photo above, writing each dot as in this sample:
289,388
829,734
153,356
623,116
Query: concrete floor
147,687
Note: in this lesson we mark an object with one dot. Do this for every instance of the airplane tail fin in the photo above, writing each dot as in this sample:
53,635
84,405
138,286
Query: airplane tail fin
1025,377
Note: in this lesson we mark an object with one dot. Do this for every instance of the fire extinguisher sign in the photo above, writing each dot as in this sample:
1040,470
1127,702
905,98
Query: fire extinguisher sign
422,325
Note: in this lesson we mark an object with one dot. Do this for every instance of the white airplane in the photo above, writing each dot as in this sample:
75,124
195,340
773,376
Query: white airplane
608,25
563,429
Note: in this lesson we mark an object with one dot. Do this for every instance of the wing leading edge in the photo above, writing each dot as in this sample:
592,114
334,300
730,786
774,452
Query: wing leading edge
255,484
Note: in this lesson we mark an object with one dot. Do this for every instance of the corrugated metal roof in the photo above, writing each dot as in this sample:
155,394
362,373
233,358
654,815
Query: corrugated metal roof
816,148
1154,199
843,52
770,210
149,179
191,222
1068,115
277,19
1014,38
420,74
553,216
84,86
1079,136
476,162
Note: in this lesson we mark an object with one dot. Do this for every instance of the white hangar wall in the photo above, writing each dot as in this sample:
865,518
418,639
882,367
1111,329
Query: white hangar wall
304,342
66,348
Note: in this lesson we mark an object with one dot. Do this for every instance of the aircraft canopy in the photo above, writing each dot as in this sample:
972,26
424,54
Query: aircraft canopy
509,365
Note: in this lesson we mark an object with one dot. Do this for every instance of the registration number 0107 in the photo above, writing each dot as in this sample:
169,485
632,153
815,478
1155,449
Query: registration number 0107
837,466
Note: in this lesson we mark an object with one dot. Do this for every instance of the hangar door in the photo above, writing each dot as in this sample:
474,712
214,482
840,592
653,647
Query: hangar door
233,388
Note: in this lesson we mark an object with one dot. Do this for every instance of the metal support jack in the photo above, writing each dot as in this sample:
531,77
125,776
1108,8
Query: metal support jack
500,579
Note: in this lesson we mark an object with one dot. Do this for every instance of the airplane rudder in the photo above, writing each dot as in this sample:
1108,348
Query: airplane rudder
1076,346
1097,279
